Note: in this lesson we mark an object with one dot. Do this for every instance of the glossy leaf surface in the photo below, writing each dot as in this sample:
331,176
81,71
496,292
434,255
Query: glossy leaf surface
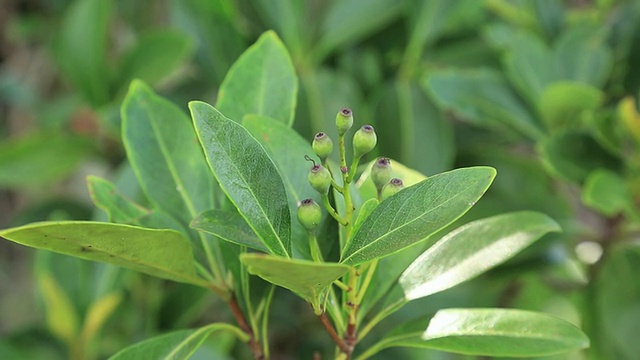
162,253
493,332
177,345
287,150
229,226
417,212
247,175
262,81
471,250
306,278
162,148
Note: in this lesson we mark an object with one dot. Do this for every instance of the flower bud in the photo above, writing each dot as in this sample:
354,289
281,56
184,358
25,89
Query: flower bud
364,140
344,120
320,178
393,186
322,145
309,214
381,172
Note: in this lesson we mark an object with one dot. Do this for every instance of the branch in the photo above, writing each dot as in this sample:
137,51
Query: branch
332,332
254,345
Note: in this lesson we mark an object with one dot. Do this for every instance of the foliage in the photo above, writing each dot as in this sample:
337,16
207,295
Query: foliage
544,92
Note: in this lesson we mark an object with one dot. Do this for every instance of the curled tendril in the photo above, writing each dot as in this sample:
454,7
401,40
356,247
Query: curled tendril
306,157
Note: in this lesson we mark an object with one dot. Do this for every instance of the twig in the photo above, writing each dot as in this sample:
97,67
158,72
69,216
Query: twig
254,345
332,332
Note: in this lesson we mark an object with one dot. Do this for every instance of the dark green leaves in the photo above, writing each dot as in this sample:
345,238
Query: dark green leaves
40,158
262,81
247,175
229,226
177,345
492,332
305,278
417,212
484,98
81,48
162,148
471,250
162,253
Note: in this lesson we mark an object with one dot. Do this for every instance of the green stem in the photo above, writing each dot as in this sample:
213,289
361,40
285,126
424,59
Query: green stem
341,285
332,211
316,253
381,316
265,322
367,280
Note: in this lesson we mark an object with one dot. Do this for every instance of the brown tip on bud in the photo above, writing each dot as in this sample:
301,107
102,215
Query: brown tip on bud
345,111
396,182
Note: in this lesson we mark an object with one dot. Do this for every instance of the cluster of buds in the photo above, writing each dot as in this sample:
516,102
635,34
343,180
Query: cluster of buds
320,178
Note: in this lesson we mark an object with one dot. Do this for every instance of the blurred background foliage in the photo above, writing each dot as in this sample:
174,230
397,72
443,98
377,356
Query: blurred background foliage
545,91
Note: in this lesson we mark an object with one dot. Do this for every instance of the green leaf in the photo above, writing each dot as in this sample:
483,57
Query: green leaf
417,212
616,302
471,250
482,97
262,81
247,175
606,192
363,213
573,155
176,345
349,21
529,65
305,278
155,56
162,253
62,318
562,104
162,148
582,54
40,159
493,332
287,150
229,226
81,48
121,210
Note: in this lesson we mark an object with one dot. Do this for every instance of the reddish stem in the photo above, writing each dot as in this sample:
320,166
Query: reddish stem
254,345
334,335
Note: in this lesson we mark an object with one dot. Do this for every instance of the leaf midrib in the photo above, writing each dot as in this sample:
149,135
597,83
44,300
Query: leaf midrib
389,233
170,165
248,188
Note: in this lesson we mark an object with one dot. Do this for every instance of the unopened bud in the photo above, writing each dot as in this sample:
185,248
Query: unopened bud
381,172
320,178
309,214
364,140
322,145
344,120
393,186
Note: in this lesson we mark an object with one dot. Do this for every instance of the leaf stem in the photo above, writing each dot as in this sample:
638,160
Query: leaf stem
316,253
334,214
332,332
371,269
381,316
341,285
254,345
265,322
